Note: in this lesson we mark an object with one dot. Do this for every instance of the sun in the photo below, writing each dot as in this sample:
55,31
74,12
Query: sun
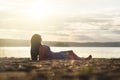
38,10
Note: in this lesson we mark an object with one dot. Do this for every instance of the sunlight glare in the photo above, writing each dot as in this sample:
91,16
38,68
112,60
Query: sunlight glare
38,10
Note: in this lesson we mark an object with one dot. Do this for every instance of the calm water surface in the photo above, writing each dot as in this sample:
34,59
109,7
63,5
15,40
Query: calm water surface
96,52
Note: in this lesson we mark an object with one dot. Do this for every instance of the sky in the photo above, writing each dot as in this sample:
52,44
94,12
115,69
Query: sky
61,20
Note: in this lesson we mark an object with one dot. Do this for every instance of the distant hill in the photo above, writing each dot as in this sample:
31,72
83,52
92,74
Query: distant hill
13,42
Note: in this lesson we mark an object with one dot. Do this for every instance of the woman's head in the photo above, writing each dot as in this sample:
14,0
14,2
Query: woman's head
36,39
35,44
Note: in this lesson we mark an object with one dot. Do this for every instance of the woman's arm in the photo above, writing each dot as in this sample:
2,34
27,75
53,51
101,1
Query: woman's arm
34,54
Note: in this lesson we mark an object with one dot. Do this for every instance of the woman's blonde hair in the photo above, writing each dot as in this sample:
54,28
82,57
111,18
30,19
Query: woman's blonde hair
36,39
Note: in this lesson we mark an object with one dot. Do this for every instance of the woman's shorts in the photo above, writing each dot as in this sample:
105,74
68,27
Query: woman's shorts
60,55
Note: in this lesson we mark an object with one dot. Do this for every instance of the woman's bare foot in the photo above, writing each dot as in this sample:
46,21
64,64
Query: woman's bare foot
89,57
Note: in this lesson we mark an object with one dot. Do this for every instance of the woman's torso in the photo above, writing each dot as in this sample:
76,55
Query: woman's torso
44,52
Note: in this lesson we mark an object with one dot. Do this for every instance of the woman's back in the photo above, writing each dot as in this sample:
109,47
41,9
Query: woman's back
44,53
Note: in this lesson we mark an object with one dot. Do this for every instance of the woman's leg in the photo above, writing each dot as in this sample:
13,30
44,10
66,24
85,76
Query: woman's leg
73,56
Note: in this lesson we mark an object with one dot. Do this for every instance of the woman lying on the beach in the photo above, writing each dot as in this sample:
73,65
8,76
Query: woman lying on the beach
43,52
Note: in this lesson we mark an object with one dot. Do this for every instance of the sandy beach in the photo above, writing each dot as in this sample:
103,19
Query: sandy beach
94,69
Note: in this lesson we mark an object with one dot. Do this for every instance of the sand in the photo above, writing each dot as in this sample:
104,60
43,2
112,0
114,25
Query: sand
94,69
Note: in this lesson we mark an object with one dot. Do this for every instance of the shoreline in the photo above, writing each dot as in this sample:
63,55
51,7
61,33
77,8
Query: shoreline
94,69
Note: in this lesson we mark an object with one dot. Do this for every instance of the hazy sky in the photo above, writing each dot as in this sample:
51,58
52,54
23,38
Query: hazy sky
61,20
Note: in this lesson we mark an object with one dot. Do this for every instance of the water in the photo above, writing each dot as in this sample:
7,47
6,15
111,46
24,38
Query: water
96,52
